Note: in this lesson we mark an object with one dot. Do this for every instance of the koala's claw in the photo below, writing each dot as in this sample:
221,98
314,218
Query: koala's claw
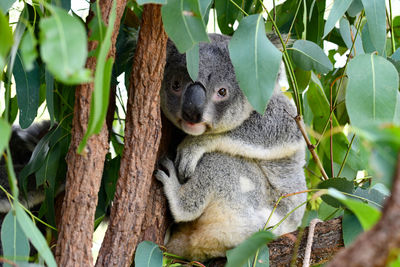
166,170
186,161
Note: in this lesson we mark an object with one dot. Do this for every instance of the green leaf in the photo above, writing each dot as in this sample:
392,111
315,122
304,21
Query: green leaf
34,235
376,17
27,84
351,228
5,134
367,215
372,90
348,33
247,249
303,78
50,95
5,6
192,62
102,79
63,47
14,242
205,6
142,2
256,61
227,13
6,38
355,8
263,257
183,23
366,40
308,56
337,11
148,254
340,184
396,55
28,49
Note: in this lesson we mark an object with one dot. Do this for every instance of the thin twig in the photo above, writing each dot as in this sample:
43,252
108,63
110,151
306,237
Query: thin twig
311,147
307,253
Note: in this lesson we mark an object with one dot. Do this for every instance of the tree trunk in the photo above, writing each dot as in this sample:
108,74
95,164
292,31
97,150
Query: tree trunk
84,171
380,245
142,138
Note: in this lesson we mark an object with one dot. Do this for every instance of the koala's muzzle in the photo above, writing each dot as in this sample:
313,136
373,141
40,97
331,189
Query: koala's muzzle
194,100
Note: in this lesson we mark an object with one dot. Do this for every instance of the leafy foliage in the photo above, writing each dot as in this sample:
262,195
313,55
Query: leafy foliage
350,107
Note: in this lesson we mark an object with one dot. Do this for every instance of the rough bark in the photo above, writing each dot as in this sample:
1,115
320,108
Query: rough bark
380,245
327,241
84,171
142,137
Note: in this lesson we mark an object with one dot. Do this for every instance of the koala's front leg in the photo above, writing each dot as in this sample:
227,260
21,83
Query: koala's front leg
189,152
186,201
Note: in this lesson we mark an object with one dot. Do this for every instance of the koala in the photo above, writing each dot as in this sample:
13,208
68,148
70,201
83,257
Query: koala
234,163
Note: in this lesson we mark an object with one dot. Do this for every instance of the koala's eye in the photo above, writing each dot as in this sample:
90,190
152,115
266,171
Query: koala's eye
176,86
222,92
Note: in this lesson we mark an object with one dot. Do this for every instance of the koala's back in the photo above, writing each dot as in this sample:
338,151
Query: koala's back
242,193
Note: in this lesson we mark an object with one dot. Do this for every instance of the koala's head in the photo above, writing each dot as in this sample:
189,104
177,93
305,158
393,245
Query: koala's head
214,102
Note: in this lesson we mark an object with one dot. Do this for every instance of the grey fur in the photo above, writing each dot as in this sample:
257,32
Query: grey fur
240,160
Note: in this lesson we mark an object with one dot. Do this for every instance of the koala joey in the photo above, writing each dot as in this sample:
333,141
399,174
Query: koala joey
234,163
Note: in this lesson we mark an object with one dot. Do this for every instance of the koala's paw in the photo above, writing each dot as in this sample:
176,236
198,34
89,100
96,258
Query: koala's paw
166,173
187,158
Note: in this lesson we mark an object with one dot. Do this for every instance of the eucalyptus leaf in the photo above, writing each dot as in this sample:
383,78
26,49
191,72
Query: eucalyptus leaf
366,40
355,8
340,184
50,95
6,39
142,2
308,56
337,11
192,62
13,240
148,254
227,14
256,61
183,23
5,5
351,228
348,33
63,47
102,79
34,235
5,134
367,215
27,84
28,49
371,94
376,16
242,253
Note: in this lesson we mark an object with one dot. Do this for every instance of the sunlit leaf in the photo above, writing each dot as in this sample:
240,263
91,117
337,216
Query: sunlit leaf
308,56
337,11
5,133
63,47
376,16
367,215
256,61
371,94
6,39
183,23
148,254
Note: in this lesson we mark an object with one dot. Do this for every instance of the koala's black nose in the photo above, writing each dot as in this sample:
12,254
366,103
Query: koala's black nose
194,101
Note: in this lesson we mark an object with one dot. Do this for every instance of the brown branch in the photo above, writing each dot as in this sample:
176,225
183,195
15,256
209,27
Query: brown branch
142,137
326,242
378,246
84,171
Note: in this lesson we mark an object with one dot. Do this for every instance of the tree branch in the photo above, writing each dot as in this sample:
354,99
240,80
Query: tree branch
142,137
84,171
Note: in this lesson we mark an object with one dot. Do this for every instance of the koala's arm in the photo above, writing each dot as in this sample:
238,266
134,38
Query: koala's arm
186,201
273,135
